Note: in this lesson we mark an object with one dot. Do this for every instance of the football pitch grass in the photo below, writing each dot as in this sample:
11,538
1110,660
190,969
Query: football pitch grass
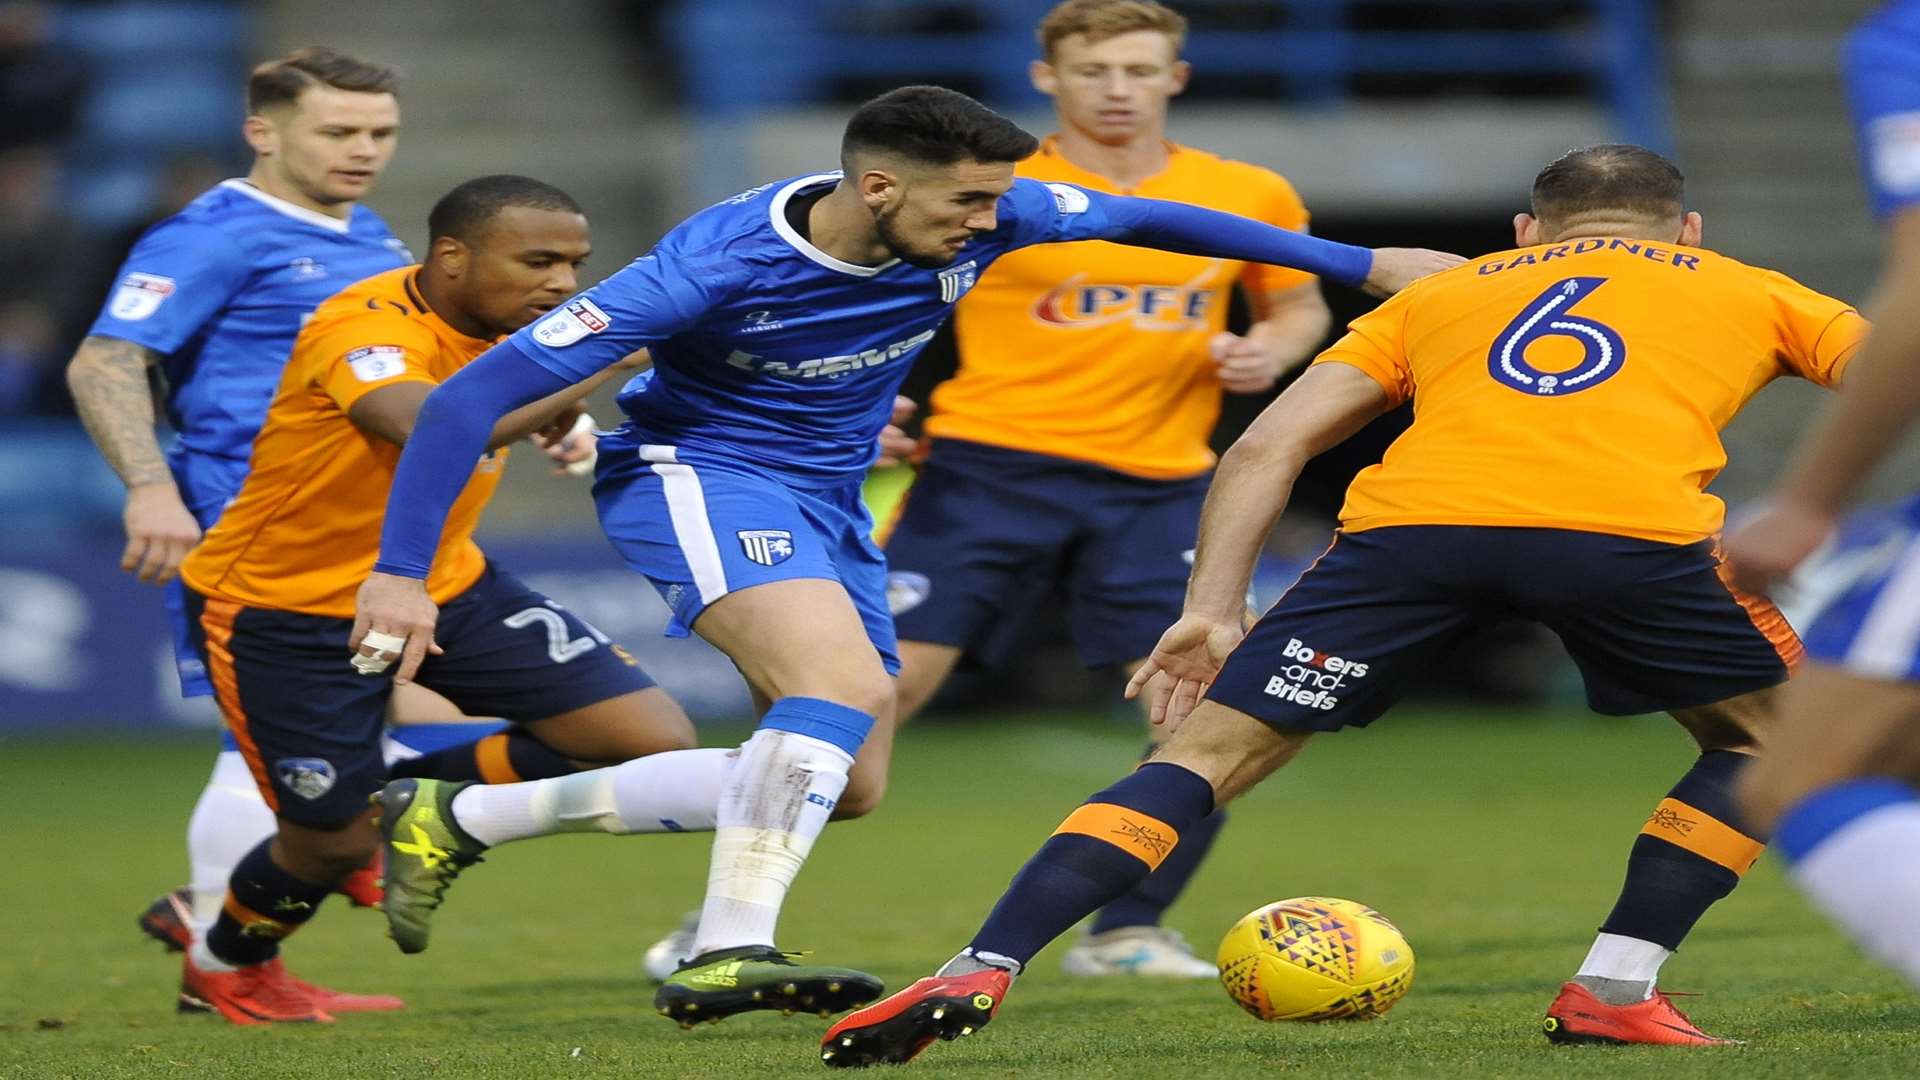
1495,839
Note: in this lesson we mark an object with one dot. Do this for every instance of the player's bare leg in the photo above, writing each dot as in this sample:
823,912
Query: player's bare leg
1103,849
1839,784
801,644
1691,852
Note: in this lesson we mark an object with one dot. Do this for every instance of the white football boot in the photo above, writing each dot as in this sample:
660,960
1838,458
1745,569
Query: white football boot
1137,950
665,956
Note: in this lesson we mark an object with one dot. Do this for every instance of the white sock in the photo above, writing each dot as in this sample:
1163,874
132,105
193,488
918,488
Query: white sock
1624,959
230,820
773,806
676,791
1866,875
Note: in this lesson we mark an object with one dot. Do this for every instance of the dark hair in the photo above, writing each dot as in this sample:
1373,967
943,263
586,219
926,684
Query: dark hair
1616,178
282,81
465,211
933,125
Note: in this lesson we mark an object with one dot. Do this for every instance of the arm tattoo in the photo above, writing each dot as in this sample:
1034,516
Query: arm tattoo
108,378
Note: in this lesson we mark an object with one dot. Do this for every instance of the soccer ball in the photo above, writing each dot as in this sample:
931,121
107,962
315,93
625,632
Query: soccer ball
1315,958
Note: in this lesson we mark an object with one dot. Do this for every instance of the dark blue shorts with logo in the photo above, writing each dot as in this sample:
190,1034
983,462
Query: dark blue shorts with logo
988,535
1652,626
310,726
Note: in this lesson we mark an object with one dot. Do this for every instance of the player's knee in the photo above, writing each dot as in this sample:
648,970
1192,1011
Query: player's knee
1764,791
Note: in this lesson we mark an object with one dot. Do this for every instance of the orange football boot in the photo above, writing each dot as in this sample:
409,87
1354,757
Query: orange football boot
1576,1016
256,994
894,1030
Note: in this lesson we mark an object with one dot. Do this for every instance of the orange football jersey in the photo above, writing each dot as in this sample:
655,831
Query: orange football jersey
1098,351
305,529
1580,385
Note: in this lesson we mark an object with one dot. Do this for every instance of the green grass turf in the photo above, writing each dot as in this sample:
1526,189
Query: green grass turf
1494,840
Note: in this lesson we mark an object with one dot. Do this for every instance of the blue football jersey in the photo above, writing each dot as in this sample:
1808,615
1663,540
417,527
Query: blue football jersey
221,289
767,352
1883,85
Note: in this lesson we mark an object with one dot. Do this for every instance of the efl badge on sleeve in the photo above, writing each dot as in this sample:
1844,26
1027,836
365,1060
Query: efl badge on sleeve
307,777
376,362
139,296
580,318
768,547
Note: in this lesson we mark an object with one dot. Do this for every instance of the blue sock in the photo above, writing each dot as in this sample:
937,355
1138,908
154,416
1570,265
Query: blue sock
1105,848
1815,819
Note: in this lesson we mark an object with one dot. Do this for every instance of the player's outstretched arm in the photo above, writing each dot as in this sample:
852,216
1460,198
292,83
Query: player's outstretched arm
1193,230
1321,409
394,618
391,412
108,378
1878,402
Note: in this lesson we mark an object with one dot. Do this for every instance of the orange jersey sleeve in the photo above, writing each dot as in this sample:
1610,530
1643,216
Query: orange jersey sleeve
1098,352
1580,385
304,531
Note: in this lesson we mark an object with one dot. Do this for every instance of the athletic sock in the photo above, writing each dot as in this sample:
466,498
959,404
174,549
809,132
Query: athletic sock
676,791
498,757
1854,849
1102,850
230,819
264,903
773,805
1692,851
1147,903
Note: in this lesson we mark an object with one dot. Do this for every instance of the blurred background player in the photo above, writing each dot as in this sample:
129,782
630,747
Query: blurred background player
781,323
270,588
1839,779
1567,424
1069,453
210,298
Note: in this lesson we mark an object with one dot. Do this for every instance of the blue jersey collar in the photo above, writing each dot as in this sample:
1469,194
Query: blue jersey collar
292,210
777,211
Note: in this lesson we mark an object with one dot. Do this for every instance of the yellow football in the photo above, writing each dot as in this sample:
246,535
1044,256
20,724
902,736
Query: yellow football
1315,958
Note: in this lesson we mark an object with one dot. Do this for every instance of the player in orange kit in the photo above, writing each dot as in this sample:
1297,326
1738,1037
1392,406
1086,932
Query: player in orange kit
270,589
1568,397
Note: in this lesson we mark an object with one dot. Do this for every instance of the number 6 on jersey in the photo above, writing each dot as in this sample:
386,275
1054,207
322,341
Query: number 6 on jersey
1548,315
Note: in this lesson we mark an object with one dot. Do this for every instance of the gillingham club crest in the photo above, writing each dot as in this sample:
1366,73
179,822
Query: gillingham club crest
768,547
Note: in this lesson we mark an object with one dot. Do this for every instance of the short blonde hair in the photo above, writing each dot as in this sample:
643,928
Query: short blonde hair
1099,20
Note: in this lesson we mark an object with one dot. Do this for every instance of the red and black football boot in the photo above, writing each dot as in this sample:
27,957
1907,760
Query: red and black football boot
894,1031
257,994
169,920
1576,1016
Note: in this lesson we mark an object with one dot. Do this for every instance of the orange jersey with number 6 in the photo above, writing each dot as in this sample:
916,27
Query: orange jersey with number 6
304,531
1097,351
1580,385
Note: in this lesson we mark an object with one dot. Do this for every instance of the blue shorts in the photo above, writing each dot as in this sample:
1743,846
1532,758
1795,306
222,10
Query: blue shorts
310,726
1653,627
1860,598
207,485
699,532
988,535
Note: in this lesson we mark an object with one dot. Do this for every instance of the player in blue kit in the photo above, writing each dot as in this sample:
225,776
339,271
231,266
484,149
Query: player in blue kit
781,322
1839,778
212,298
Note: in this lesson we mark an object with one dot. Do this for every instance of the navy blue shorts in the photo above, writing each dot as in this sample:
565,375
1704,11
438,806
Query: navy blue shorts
1653,627
310,726
988,535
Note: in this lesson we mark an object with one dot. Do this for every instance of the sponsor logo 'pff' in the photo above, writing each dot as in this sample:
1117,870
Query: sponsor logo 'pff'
1312,680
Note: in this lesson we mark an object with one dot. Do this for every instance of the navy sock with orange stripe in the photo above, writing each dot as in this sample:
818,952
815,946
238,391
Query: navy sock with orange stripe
1692,851
505,757
1101,851
264,904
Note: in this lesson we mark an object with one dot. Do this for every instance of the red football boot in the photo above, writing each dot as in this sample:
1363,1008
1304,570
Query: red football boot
169,919
894,1030
365,887
258,994
337,1001
1576,1016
